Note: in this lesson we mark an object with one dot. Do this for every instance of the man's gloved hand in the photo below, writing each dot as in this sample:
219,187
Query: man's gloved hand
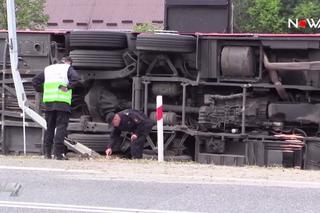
133,137
63,88
108,152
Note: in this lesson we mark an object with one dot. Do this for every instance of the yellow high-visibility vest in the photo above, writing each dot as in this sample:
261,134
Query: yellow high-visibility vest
54,76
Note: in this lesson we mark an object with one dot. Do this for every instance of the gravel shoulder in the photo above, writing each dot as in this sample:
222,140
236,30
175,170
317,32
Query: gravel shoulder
172,172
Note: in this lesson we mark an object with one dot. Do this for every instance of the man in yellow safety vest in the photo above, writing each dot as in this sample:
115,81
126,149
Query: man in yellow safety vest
56,83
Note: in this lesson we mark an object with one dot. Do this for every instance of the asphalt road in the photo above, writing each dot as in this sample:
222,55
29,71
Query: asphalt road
59,190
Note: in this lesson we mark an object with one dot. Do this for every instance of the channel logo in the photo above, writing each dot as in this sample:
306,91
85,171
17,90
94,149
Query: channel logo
304,23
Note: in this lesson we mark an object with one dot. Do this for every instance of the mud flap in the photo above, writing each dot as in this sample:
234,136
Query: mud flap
80,148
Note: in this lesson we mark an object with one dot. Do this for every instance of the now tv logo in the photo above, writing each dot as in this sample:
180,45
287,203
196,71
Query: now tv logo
303,23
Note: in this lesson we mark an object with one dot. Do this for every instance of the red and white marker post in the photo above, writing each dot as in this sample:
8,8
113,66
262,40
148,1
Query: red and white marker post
160,127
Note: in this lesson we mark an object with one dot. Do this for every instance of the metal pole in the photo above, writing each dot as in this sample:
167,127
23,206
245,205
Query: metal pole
12,34
184,91
3,96
146,94
231,11
197,53
132,95
244,100
13,47
137,93
24,130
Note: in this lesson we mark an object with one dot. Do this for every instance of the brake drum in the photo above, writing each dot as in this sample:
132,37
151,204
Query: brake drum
237,61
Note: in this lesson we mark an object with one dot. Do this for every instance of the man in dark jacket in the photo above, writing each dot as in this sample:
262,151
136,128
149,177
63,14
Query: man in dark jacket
56,83
134,122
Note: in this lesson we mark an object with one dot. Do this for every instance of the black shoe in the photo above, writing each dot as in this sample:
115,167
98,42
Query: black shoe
47,156
61,157
47,152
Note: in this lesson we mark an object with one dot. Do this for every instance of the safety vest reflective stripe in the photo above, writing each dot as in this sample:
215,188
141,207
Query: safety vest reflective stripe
52,93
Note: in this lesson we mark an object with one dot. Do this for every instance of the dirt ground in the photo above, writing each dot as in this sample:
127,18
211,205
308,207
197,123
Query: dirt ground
148,170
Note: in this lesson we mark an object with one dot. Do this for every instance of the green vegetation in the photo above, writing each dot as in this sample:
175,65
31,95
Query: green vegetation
29,14
271,16
145,27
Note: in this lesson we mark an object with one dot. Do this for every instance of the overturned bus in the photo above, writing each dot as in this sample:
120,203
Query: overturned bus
229,99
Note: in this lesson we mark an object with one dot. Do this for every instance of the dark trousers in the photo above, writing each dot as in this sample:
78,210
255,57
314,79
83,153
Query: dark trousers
136,147
57,123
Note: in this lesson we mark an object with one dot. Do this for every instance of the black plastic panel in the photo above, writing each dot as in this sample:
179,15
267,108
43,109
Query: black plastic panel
312,160
300,113
197,15
220,159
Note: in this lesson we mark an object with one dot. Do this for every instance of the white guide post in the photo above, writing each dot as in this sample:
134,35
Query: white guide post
160,128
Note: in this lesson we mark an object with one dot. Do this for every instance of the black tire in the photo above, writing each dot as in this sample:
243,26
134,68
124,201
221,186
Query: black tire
92,99
97,59
97,40
166,43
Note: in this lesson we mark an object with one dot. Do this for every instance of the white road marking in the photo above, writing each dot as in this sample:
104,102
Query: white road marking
49,169
81,208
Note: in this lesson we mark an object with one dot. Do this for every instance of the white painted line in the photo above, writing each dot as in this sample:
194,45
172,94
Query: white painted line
49,169
81,208
53,208
262,183
240,181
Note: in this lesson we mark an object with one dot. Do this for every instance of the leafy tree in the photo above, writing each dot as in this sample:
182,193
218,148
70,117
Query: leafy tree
288,7
265,17
3,15
29,14
145,27
240,14
271,16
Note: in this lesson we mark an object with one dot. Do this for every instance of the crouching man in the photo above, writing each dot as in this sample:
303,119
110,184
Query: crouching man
133,121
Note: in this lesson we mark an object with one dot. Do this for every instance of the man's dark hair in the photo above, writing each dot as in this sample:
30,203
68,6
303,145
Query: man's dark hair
66,59
110,117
